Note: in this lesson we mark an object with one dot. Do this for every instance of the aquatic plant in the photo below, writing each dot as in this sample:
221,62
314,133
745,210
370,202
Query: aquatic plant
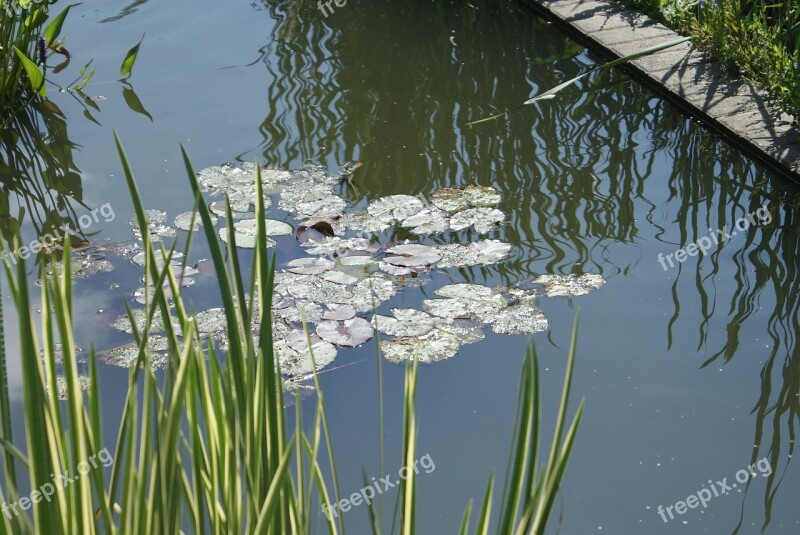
205,447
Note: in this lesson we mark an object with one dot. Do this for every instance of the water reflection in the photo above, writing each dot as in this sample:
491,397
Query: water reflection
394,86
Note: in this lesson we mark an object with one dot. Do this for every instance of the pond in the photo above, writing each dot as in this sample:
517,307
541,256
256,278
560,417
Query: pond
687,349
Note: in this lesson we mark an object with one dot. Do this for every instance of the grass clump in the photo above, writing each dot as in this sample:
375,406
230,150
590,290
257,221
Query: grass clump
759,39
206,448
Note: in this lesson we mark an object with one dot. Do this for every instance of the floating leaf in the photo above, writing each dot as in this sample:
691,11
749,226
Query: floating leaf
336,246
294,363
522,318
155,224
245,232
363,221
455,199
397,207
339,277
184,221
406,322
434,346
427,221
490,251
327,207
130,58
349,333
466,331
569,285
371,292
412,255
339,312
139,258
319,290
483,219
84,383
397,271
310,266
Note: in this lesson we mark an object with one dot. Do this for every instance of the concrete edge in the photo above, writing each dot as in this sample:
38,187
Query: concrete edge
733,107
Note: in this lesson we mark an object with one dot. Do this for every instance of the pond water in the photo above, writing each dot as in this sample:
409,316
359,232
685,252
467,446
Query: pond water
690,369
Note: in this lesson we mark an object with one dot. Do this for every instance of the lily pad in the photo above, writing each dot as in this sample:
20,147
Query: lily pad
467,331
310,266
155,225
245,232
339,312
412,255
435,346
349,333
456,255
339,277
293,362
454,199
363,221
522,318
427,221
371,292
406,322
569,285
490,251
139,258
184,221
396,207
84,383
482,219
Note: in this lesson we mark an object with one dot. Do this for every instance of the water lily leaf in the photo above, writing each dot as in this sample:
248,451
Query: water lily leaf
363,221
455,199
412,255
331,206
298,341
456,255
349,333
522,318
466,301
435,346
139,258
318,290
184,221
406,322
245,232
427,221
155,225
356,260
293,362
397,271
218,208
339,277
466,291
466,331
371,292
297,192
84,383
483,219
569,285
314,230
396,207
339,312
336,246
210,321
123,322
307,311
490,251
311,266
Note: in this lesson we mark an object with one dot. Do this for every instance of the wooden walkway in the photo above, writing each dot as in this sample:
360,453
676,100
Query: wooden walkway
734,107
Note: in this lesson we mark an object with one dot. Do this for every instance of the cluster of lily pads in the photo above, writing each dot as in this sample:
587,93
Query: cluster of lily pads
347,272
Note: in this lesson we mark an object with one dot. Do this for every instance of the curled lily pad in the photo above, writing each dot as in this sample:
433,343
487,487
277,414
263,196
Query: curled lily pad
434,346
427,221
293,362
397,207
406,322
397,271
482,219
412,255
184,221
310,266
339,312
522,318
570,285
349,333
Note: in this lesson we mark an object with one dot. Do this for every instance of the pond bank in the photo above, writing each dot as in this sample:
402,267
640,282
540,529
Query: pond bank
703,87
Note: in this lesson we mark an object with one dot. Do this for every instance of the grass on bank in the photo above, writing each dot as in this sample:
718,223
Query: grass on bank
206,448
758,38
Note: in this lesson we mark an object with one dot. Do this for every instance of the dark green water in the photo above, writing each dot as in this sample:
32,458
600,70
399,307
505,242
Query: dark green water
689,374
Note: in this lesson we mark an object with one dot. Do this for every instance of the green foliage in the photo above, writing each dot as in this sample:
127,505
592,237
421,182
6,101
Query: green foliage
206,448
759,39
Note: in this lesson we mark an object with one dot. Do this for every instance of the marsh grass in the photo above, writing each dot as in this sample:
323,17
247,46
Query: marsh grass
206,448
758,38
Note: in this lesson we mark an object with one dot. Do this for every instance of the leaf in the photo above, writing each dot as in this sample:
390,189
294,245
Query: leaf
52,31
350,333
35,76
133,102
550,93
130,58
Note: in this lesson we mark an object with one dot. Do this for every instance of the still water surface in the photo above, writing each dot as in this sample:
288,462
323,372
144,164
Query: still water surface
689,374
